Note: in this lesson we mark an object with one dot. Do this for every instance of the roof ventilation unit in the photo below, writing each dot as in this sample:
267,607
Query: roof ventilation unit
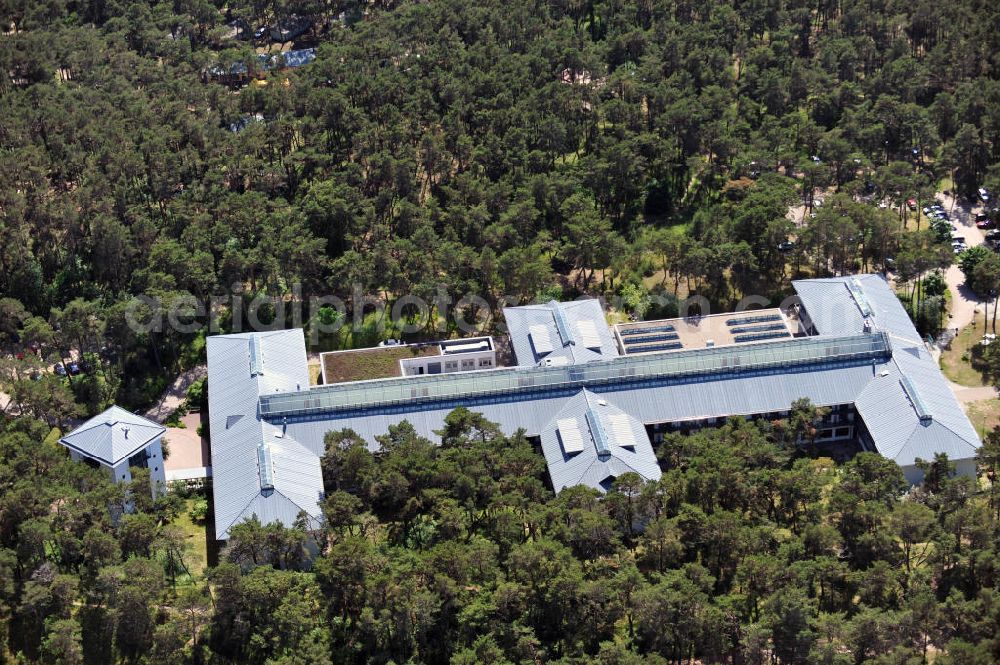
918,403
256,363
854,286
264,467
561,325
597,431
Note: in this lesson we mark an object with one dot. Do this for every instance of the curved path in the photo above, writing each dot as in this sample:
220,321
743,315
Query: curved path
174,396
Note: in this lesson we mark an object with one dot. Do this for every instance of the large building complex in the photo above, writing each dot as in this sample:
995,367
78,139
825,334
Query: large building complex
595,397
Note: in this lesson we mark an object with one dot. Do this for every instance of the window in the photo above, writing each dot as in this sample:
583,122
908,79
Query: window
139,459
469,364
485,362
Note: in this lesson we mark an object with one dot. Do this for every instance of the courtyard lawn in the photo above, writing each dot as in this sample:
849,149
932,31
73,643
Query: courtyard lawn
957,361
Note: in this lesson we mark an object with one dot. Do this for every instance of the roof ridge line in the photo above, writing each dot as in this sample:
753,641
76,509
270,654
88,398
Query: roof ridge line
960,437
242,510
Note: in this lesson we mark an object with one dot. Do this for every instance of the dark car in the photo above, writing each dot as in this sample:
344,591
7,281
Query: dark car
786,246
59,369
261,32
985,223
74,368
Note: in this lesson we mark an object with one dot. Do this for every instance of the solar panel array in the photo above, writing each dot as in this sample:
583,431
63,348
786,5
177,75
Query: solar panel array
628,332
755,318
764,327
540,339
621,430
643,339
758,337
650,338
569,434
588,333
647,348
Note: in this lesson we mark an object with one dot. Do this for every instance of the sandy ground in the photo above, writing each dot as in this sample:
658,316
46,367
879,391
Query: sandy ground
188,451
966,395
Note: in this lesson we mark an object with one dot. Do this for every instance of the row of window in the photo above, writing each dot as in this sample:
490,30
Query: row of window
467,364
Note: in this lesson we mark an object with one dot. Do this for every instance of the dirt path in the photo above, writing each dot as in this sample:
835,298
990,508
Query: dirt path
175,394
966,395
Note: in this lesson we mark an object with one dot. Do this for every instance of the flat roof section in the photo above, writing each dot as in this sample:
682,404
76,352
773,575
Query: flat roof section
700,332
380,362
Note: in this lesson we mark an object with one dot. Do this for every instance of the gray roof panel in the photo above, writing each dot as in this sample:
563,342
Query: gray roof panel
113,436
237,430
577,319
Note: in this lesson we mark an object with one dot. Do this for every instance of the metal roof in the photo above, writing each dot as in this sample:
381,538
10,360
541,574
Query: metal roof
833,309
257,467
538,330
908,407
650,401
113,436
601,454
363,395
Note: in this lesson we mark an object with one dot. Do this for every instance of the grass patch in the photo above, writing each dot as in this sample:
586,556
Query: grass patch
196,537
984,414
376,363
958,361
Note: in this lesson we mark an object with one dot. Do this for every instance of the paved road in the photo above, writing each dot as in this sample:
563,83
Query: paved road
964,303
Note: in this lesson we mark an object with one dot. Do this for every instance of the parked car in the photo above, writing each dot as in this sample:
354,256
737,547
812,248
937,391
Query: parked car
984,194
911,204
786,246
74,368
59,369
985,223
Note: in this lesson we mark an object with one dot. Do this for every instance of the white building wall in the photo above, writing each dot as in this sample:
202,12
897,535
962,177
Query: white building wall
963,467
120,473
454,362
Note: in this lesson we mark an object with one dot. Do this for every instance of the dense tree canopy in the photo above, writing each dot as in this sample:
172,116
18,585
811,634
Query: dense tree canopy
506,149
748,550
497,148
